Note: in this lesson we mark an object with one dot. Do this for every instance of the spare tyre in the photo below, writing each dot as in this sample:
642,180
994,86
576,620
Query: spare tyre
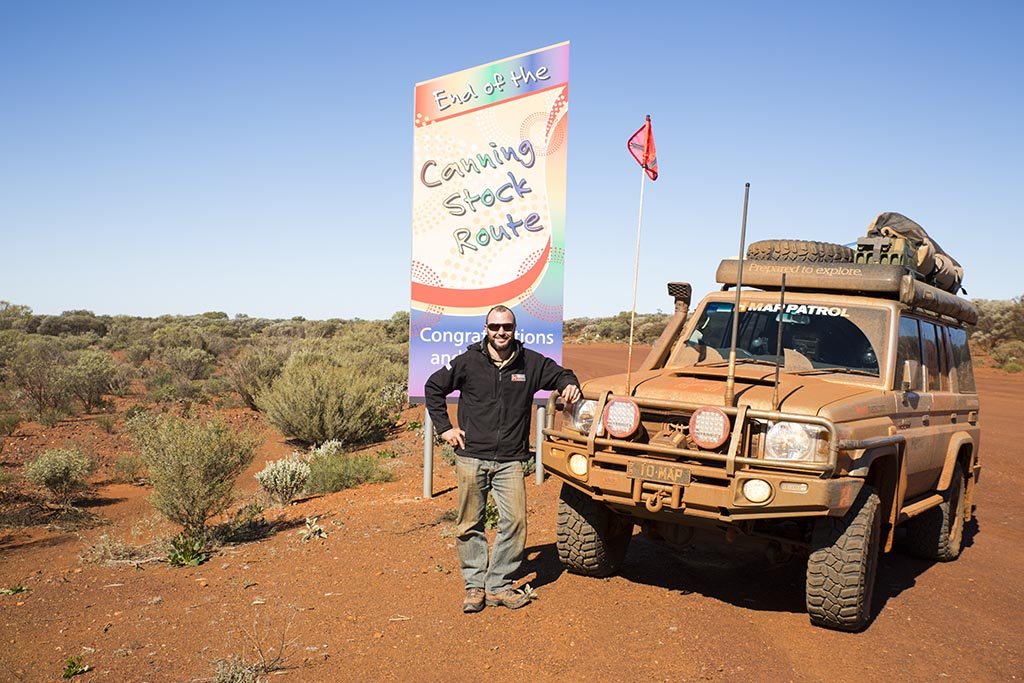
800,250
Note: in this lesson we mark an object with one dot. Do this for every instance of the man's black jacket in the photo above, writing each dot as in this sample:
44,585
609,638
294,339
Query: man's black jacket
494,405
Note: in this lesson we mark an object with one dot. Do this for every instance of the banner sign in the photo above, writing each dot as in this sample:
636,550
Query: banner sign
488,224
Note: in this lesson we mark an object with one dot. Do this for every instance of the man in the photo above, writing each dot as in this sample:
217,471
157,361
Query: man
497,379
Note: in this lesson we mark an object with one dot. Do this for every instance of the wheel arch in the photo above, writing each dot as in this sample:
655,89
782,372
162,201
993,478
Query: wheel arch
885,475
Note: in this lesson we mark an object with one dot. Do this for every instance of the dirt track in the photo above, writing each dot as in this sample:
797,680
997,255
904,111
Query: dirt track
379,598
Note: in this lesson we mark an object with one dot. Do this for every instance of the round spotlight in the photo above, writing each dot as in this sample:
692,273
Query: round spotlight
578,464
621,417
757,490
709,427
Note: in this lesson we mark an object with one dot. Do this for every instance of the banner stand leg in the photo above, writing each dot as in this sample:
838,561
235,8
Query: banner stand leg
538,473
428,456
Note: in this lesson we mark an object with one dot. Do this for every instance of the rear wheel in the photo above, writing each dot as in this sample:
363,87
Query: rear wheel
591,539
799,250
938,534
842,564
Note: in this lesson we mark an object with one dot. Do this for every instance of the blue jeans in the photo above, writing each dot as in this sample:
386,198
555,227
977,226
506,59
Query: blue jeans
505,482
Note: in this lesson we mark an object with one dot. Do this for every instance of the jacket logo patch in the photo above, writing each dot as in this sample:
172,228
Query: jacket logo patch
517,377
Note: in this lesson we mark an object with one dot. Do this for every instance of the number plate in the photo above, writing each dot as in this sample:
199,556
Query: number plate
660,472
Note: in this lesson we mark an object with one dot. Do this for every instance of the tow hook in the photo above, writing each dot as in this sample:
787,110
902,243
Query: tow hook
656,501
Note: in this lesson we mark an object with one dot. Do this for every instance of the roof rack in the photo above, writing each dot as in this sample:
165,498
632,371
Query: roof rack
885,281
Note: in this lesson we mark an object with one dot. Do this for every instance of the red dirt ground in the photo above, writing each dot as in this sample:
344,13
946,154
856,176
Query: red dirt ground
379,598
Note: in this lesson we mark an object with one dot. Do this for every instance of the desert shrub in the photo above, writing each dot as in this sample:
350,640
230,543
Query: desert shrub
255,370
9,424
447,454
9,342
179,334
72,323
79,342
106,423
14,316
332,469
51,417
324,394
217,386
128,468
121,383
1009,352
90,377
1013,367
647,327
37,368
284,479
192,465
139,353
998,322
135,410
61,471
188,363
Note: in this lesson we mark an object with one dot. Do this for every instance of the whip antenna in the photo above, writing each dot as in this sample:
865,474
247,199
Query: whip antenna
730,381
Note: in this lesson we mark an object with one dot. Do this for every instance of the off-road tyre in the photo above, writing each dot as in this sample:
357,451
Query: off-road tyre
842,565
938,534
800,250
591,539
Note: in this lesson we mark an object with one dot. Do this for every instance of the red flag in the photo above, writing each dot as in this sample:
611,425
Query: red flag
641,146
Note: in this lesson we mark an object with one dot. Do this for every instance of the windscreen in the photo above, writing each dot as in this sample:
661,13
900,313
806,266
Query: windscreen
815,338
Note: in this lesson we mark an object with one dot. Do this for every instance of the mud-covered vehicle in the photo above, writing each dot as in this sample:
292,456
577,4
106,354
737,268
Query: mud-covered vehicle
866,421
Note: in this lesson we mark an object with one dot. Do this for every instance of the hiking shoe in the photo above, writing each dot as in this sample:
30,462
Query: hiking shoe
513,599
474,600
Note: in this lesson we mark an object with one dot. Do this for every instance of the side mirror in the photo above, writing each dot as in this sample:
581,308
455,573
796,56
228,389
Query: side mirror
908,373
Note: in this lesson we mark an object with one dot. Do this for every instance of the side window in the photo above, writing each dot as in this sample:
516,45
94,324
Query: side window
962,360
929,334
908,348
930,339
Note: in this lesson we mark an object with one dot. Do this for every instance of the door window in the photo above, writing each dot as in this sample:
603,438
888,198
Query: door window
908,348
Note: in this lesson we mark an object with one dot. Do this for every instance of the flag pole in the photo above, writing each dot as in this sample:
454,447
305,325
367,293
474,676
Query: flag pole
636,275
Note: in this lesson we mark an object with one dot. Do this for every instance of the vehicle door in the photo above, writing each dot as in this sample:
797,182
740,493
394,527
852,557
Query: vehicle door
912,416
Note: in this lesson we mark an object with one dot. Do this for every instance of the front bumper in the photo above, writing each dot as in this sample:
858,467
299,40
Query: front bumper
657,482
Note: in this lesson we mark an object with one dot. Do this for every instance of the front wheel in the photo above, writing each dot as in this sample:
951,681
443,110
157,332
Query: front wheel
591,539
842,564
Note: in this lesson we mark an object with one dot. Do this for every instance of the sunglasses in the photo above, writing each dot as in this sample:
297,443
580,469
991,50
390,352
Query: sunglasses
507,327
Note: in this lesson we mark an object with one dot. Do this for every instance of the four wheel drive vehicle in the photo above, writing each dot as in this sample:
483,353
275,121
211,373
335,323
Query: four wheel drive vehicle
866,420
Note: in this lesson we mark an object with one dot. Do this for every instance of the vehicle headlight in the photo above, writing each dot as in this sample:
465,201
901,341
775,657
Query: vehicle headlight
583,415
797,442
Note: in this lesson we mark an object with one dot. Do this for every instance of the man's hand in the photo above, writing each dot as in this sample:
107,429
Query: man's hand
454,437
571,394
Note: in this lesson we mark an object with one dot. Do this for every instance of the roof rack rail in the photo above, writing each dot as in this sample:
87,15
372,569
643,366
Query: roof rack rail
886,281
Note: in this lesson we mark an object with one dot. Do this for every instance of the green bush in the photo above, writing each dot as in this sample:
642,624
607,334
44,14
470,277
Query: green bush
9,424
332,469
325,393
283,479
37,368
90,377
61,471
192,465
255,370
188,363
1009,352
139,354
106,423
1013,367
128,468
121,381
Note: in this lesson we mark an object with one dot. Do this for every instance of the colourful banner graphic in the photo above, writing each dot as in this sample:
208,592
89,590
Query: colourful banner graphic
488,223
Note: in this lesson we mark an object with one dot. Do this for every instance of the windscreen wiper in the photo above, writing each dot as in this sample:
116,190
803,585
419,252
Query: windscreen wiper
827,371
723,363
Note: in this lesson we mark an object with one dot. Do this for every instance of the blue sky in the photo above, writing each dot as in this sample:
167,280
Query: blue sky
256,157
